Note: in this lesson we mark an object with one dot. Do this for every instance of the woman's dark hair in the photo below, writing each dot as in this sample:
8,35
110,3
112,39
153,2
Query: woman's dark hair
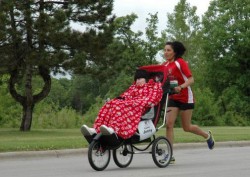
178,47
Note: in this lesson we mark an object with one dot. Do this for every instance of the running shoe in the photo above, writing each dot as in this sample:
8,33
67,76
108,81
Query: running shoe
106,130
86,131
210,140
172,160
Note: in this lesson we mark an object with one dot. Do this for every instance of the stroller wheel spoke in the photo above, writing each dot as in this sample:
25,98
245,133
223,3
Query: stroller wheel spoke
123,155
97,156
161,152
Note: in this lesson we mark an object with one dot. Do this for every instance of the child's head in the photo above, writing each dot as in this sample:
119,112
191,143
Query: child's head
141,77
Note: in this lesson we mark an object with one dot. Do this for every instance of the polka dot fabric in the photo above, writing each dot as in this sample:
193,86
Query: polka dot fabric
123,115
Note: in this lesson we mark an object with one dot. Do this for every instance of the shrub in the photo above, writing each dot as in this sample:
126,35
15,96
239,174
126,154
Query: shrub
206,112
50,116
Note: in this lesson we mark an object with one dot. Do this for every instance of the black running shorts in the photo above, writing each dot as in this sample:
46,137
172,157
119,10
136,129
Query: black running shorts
180,105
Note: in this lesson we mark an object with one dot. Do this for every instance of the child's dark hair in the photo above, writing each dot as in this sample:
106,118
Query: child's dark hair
140,73
178,47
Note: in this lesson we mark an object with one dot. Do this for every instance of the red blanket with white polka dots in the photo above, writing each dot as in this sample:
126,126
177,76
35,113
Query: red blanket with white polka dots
123,114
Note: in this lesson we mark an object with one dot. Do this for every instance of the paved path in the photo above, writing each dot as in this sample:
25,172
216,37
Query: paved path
69,152
192,160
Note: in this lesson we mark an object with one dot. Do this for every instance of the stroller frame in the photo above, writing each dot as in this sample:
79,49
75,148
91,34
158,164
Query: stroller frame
100,146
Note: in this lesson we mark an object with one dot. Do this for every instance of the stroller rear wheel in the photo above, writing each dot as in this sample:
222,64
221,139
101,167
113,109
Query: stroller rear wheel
123,155
98,156
162,152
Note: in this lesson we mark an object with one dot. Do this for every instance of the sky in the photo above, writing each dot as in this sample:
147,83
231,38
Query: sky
143,7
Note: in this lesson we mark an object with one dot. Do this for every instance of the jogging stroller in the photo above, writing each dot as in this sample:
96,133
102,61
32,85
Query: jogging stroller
123,150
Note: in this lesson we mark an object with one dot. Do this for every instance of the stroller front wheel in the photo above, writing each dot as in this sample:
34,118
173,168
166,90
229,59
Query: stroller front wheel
98,156
162,152
123,155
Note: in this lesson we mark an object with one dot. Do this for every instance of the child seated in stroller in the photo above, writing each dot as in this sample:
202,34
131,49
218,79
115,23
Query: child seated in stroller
122,115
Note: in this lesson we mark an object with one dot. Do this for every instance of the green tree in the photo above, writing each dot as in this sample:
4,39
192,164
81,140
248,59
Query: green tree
129,43
133,49
226,50
84,90
36,38
60,92
184,25
153,43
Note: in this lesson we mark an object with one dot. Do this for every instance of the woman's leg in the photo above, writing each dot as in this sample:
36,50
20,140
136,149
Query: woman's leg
171,118
186,117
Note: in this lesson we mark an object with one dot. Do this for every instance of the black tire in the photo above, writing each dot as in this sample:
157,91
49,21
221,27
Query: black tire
123,155
162,149
98,156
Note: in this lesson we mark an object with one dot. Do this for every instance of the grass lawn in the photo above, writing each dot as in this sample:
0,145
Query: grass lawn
49,139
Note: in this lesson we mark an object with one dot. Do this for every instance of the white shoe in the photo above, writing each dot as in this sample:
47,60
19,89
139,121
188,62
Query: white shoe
106,130
86,131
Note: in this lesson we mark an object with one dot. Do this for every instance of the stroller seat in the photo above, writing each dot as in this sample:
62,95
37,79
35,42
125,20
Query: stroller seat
149,114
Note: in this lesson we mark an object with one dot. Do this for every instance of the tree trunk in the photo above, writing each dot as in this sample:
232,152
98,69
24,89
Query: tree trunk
27,118
29,100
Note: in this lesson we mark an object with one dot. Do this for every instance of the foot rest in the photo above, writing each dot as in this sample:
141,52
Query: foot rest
111,141
89,138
